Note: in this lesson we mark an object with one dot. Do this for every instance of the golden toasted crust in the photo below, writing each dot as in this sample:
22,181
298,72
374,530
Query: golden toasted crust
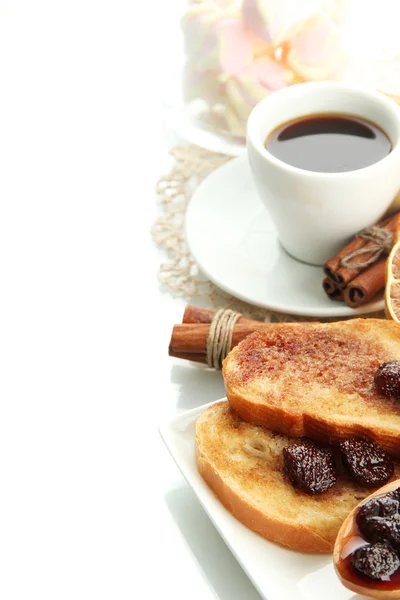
256,490
317,380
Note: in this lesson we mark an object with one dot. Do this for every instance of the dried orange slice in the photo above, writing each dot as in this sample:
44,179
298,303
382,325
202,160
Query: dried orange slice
392,289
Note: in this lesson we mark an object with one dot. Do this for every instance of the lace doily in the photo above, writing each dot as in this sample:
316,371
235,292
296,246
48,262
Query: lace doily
178,273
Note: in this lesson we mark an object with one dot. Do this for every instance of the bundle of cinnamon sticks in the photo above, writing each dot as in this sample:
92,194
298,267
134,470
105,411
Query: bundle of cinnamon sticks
189,338
357,273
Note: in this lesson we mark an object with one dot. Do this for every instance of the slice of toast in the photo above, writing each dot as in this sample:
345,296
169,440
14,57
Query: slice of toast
257,491
317,380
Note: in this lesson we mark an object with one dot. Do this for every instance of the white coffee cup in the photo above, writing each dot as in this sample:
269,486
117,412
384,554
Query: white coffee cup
316,213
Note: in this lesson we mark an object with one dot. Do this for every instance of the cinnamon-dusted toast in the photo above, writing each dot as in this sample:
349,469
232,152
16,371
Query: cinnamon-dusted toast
256,489
317,380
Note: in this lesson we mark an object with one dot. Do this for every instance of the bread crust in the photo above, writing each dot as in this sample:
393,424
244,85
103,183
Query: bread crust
371,341
319,429
292,536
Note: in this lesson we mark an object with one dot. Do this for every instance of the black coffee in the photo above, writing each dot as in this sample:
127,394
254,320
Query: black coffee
329,143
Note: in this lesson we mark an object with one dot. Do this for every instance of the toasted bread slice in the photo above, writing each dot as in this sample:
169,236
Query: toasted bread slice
257,491
317,380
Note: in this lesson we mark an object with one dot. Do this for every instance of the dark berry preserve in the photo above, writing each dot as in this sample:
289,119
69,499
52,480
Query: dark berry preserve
370,549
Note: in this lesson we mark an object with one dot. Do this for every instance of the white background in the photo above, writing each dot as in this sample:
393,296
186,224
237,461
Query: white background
91,504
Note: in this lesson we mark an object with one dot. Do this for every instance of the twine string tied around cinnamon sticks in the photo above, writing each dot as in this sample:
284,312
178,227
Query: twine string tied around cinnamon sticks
219,340
383,241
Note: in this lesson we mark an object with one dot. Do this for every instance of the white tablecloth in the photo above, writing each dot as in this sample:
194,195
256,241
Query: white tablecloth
92,505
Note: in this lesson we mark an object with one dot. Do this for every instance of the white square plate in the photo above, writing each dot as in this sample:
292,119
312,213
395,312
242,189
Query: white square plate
277,573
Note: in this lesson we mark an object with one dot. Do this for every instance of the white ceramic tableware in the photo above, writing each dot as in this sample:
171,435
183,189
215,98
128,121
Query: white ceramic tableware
317,213
234,241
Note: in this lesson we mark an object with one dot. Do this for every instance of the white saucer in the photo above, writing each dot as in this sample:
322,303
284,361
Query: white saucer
233,240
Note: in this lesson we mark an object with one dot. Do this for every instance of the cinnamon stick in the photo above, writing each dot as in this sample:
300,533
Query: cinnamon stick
189,340
195,314
332,289
366,285
342,275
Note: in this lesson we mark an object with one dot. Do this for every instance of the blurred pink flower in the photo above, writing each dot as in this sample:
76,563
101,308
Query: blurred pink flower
216,38
318,51
246,89
243,51
276,21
